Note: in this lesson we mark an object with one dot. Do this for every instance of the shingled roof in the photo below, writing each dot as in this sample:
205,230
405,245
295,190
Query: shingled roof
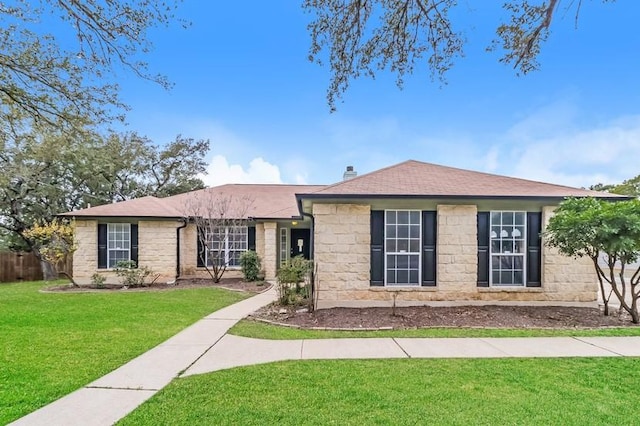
415,178
263,201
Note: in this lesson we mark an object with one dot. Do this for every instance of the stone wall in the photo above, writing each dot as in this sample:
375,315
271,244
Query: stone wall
342,238
85,258
157,247
457,249
342,245
270,257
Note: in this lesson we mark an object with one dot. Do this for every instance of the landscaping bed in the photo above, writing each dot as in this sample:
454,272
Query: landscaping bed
236,284
512,317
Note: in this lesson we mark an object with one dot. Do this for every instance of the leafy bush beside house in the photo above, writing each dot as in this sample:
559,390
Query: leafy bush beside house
251,265
293,281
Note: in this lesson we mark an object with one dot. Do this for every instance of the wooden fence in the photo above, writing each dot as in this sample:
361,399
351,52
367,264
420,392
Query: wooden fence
17,266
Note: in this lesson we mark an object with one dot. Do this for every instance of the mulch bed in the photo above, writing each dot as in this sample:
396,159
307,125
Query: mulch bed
236,284
458,316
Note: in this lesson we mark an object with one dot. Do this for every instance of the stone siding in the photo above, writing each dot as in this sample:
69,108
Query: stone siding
270,257
157,247
342,238
342,247
85,258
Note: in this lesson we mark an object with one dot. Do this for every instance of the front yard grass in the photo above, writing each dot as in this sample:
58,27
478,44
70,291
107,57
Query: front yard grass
52,344
569,391
260,330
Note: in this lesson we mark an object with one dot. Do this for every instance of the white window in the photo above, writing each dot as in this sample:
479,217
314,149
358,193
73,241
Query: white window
508,248
402,241
225,244
118,243
284,246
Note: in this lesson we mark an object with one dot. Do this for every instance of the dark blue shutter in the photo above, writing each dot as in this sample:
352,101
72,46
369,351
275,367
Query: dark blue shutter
102,246
429,235
201,249
534,255
134,243
483,249
251,238
377,247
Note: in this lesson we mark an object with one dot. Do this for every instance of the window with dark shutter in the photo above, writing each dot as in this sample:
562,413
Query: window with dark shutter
429,235
201,255
483,249
534,252
377,247
134,243
102,246
251,238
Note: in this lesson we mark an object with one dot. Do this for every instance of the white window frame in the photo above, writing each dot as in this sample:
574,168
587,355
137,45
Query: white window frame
111,230
403,253
228,247
494,235
284,246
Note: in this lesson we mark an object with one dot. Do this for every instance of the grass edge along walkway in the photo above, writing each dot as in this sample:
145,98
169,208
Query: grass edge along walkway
262,330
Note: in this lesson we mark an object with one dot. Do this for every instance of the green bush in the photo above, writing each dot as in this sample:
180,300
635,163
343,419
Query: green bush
293,287
130,275
250,264
98,280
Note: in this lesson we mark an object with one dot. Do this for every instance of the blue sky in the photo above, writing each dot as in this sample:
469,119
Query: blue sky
243,81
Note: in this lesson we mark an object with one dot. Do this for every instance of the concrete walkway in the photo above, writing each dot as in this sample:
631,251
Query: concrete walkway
205,347
115,395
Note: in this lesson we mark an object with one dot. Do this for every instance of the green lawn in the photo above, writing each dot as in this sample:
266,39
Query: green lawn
52,344
260,330
570,391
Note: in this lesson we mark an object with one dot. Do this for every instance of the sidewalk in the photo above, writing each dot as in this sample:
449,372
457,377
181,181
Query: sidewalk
112,397
205,347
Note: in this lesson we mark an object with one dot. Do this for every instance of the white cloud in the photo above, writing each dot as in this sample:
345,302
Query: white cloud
604,153
220,172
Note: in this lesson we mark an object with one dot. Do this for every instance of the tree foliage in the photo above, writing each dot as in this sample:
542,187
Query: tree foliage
54,242
366,36
59,59
608,233
48,172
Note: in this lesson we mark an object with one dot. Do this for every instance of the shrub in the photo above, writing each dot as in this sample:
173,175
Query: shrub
250,264
98,280
132,276
291,277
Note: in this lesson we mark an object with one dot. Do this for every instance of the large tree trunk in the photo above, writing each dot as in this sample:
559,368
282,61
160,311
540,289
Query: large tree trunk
49,272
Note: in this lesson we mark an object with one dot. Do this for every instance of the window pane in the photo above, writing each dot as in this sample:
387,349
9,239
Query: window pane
518,262
507,218
506,277
415,217
506,262
403,277
391,246
391,217
403,231
391,231
414,262
413,277
507,247
520,218
403,217
414,246
403,262
495,246
414,231
391,276
518,277
391,262
403,246
495,279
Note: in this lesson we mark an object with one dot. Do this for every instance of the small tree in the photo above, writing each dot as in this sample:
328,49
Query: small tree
220,220
290,279
54,242
609,234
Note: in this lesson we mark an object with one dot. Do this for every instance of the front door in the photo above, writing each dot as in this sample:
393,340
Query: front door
300,239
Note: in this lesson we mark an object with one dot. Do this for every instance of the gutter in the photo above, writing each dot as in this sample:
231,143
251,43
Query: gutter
184,225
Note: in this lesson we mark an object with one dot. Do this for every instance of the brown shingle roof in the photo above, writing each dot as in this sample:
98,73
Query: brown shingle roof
138,207
415,178
264,201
